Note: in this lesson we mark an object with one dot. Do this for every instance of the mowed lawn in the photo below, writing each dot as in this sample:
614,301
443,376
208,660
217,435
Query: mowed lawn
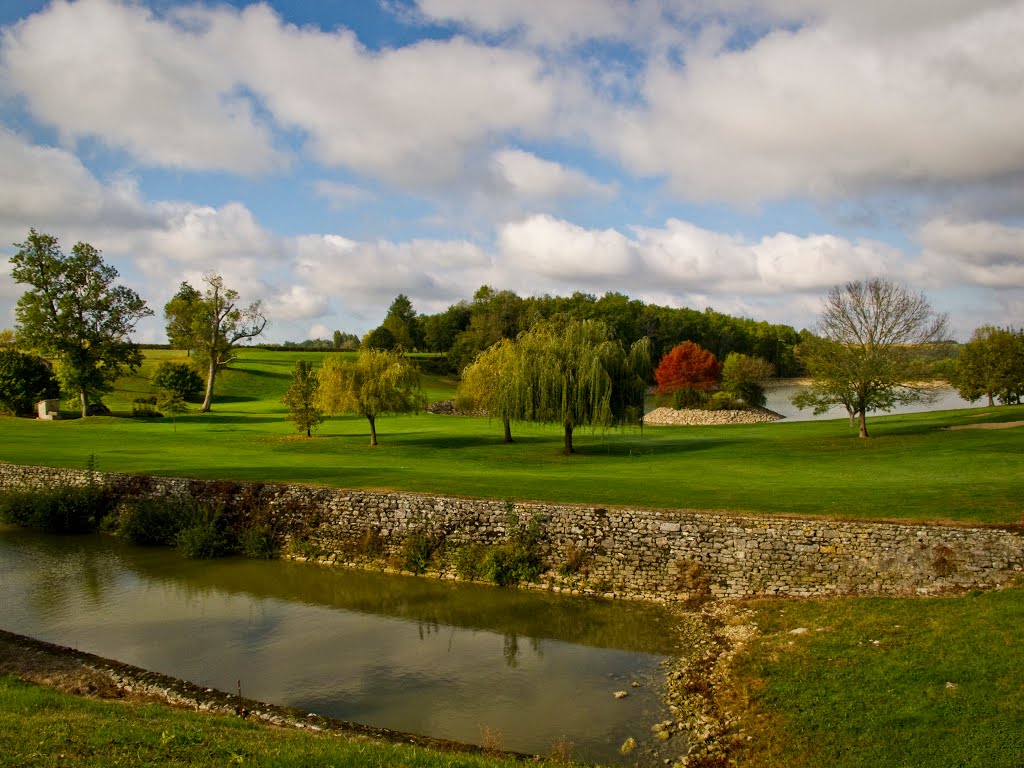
911,467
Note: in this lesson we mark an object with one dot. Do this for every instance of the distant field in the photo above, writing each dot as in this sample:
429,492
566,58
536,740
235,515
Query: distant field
910,468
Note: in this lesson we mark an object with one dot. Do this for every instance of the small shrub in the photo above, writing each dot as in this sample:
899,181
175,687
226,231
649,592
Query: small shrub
723,401
306,549
418,551
179,379
55,510
687,397
145,407
371,544
576,559
205,534
259,542
153,521
469,561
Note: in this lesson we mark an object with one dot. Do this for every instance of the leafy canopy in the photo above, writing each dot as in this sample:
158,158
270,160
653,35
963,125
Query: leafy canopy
212,324
867,354
377,382
24,381
300,398
687,366
577,373
75,312
991,364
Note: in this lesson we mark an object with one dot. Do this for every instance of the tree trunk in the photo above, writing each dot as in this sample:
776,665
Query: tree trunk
85,403
210,376
853,416
373,430
991,403
863,425
568,440
508,430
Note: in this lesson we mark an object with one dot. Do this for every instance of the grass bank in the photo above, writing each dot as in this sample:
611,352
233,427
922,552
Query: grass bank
879,682
42,726
912,467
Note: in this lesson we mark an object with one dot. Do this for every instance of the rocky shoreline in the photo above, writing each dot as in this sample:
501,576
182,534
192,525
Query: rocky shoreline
692,417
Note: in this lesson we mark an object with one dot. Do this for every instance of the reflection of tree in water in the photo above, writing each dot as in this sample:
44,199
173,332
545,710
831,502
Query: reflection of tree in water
511,649
427,628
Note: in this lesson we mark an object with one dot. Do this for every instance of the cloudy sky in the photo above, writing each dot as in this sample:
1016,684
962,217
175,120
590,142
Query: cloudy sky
325,156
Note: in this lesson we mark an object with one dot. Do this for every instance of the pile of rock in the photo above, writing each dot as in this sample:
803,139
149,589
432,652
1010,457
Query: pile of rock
447,408
692,417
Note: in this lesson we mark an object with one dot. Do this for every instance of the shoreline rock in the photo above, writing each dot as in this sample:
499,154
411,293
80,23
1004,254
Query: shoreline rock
692,417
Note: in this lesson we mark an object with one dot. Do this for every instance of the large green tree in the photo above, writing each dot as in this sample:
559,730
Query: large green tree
867,351
181,313
991,364
212,325
742,377
491,383
577,374
300,398
377,382
24,380
74,312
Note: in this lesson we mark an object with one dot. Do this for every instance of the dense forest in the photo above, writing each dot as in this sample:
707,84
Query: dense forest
468,327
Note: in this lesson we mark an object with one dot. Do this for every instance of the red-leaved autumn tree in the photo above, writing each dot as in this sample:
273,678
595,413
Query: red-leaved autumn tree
688,366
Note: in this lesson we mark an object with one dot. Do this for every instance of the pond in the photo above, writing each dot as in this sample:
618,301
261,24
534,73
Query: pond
455,661
779,401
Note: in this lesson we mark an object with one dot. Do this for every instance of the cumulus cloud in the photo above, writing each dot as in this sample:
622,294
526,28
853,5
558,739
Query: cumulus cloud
538,21
983,253
825,109
115,72
364,276
554,248
297,302
49,188
533,177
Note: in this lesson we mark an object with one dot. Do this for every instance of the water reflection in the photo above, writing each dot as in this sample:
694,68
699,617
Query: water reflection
412,654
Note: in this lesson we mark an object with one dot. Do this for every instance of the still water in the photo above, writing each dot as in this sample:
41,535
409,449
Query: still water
436,658
779,401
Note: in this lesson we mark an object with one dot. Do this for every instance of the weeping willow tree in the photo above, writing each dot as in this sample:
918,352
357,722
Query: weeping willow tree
492,383
577,374
377,382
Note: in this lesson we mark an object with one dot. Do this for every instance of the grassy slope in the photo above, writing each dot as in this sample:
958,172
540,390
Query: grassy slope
878,682
909,469
44,727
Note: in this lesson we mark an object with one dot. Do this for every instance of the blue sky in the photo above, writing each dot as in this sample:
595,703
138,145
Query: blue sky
741,154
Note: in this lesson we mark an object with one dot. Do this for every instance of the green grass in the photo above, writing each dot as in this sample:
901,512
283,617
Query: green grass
888,682
44,727
910,469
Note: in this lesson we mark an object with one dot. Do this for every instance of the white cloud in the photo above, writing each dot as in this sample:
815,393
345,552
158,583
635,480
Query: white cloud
113,71
982,253
48,188
539,21
297,302
366,276
559,249
408,115
828,108
535,178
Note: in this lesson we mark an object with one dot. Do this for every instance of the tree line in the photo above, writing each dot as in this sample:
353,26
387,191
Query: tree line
467,328
572,361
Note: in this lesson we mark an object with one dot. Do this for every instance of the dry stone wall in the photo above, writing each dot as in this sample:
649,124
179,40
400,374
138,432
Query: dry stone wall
620,552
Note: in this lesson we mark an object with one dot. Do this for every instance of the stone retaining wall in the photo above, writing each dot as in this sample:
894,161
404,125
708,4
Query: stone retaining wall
622,552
